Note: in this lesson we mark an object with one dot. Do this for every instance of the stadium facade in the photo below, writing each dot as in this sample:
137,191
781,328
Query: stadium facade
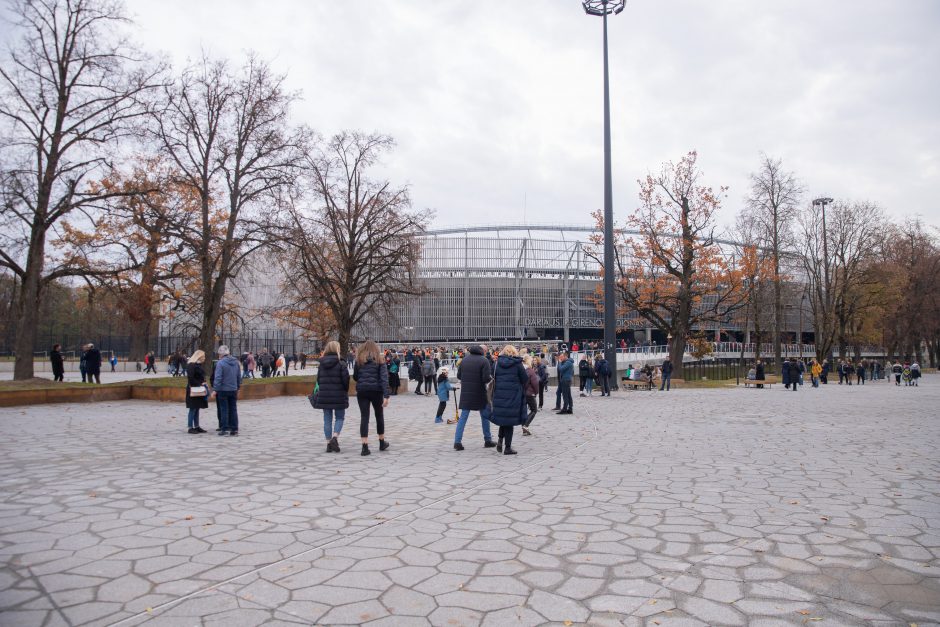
484,283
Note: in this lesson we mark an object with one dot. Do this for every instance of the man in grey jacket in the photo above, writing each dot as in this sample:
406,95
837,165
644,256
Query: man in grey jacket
225,385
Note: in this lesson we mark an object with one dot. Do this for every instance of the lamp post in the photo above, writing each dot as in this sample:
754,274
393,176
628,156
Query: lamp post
822,202
603,8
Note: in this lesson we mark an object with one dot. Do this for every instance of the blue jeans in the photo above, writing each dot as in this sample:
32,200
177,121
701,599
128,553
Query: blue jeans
589,385
565,389
462,423
228,410
667,381
329,426
193,420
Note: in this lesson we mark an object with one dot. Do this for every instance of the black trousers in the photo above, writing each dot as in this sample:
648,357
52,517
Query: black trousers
440,408
374,399
428,382
420,381
567,404
542,387
505,434
533,409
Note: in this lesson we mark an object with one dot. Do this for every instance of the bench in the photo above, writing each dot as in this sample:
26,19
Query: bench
767,381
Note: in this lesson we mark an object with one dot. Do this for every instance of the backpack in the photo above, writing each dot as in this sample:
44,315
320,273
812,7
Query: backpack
393,368
427,368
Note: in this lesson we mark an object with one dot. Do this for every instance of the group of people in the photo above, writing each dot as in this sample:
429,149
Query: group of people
793,372
270,364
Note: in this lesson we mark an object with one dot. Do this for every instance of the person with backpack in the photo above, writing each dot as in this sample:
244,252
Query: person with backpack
509,405
371,378
584,374
427,372
532,387
602,374
542,370
394,378
444,386
266,360
332,394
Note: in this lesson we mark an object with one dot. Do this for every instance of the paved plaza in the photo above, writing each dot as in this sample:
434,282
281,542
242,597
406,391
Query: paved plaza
694,507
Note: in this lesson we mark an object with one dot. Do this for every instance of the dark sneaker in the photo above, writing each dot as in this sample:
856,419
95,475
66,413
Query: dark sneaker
335,444
192,430
510,451
383,445
489,444
329,447
438,421
499,446
458,446
223,432
232,434
200,430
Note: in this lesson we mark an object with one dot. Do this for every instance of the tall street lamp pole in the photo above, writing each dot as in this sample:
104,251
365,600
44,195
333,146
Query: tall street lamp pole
603,8
822,202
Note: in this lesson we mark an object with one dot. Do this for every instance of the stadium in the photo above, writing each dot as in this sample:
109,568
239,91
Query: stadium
484,283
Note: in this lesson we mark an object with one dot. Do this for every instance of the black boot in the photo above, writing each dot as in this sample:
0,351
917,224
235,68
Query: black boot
365,450
499,445
335,444
458,446
383,445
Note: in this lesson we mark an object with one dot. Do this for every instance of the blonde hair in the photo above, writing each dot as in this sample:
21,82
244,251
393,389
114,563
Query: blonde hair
197,358
509,350
527,360
332,347
368,350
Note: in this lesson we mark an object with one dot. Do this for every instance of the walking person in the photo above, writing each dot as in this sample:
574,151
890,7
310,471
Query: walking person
794,373
785,372
428,372
197,393
584,373
565,377
589,382
371,377
602,374
532,388
814,371
444,388
896,370
860,373
58,364
225,386
332,394
250,365
667,375
394,370
474,374
542,370
113,362
93,364
509,405
414,370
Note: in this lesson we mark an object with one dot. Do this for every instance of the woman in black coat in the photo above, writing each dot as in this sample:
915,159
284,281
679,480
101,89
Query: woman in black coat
58,366
196,378
371,377
332,394
509,406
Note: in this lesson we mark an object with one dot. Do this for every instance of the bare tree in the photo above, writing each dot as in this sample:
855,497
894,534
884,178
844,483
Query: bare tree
69,94
677,276
771,204
228,135
854,233
758,278
355,254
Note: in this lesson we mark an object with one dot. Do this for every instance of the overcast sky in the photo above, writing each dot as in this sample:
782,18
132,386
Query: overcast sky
496,106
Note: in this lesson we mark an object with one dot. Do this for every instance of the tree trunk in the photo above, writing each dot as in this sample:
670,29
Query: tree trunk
140,337
28,307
